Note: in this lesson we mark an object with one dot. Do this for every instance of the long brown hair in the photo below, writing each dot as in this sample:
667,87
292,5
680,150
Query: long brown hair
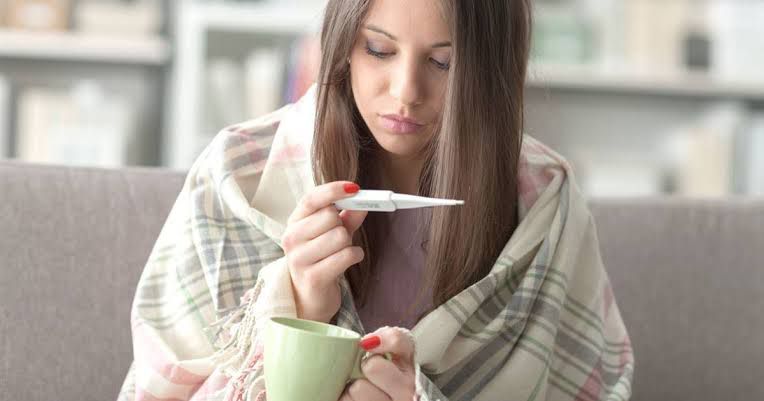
473,156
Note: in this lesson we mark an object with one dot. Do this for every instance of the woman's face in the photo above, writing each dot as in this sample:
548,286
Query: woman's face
399,68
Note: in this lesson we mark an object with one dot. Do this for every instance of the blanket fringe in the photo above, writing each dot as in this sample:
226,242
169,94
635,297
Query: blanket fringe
235,337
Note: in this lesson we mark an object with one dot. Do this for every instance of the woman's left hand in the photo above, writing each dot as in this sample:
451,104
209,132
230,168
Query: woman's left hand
391,380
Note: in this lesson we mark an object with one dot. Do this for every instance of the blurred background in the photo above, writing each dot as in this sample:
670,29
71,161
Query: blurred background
644,97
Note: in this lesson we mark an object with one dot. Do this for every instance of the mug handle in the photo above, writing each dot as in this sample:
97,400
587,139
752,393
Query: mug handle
357,373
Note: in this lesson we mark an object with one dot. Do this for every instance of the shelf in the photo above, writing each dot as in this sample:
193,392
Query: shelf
265,17
684,84
77,46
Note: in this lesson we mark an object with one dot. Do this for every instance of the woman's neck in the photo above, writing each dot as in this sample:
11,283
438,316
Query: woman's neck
401,174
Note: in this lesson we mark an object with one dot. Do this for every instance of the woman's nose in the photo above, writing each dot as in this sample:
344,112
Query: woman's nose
405,85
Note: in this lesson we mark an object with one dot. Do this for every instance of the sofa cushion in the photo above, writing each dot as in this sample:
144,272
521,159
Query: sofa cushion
74,242
688,276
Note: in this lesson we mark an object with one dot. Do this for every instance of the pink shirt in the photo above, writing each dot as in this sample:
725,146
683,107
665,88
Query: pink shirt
397,280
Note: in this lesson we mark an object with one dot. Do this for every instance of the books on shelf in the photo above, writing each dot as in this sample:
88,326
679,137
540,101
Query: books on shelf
226,98
701,158
134,18
265,80
84,125
619,178
704,151
240,91
39,15
562,33
5,110
653,34
304,62
738,48
604,172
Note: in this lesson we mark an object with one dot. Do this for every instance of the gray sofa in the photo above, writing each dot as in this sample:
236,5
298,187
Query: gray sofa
688,277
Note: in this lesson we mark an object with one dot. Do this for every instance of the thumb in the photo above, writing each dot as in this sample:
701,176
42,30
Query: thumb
397,341
352,219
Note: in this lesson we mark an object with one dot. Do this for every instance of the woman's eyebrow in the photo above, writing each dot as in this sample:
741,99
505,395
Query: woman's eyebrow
377,29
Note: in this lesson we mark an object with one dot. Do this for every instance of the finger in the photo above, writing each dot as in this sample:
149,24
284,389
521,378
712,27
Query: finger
364,390
314,225
352,219
395,340
321,247
320,197
386,376
336,264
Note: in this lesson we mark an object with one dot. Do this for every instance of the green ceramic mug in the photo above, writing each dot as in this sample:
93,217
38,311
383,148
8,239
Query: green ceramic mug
308,360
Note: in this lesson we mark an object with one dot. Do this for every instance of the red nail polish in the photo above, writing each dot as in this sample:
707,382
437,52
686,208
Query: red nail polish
351,188
371,343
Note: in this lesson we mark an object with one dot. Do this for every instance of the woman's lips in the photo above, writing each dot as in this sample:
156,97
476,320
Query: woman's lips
400,125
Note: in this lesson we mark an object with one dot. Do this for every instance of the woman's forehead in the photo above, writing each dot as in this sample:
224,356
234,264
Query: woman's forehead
413,21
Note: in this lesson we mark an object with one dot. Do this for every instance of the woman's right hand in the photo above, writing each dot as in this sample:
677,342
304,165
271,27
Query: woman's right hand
318,243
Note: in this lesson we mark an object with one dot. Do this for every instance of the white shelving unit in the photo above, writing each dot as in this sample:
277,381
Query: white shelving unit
195,20
574,105
602,120
132,66
287,17
682,84
75,46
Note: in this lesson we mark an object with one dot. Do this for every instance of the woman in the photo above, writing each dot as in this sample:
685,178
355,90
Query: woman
504,297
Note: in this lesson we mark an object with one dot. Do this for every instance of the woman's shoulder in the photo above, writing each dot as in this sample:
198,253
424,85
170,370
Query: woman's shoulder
538,166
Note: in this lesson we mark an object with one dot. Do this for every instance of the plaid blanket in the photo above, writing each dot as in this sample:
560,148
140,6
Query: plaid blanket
542,325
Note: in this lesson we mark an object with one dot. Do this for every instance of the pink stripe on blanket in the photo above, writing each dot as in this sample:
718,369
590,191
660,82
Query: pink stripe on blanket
627,354
254,364
216,382
537,167
531,182
289,153
593,386
149,353
141,395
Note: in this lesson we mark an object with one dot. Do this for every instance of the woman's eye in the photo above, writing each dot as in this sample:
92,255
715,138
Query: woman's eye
442,66
375,53
382,55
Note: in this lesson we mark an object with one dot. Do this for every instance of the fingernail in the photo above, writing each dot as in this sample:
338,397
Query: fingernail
351,188
371,343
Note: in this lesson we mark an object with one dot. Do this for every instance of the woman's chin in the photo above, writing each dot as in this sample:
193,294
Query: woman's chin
399,149
399,145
